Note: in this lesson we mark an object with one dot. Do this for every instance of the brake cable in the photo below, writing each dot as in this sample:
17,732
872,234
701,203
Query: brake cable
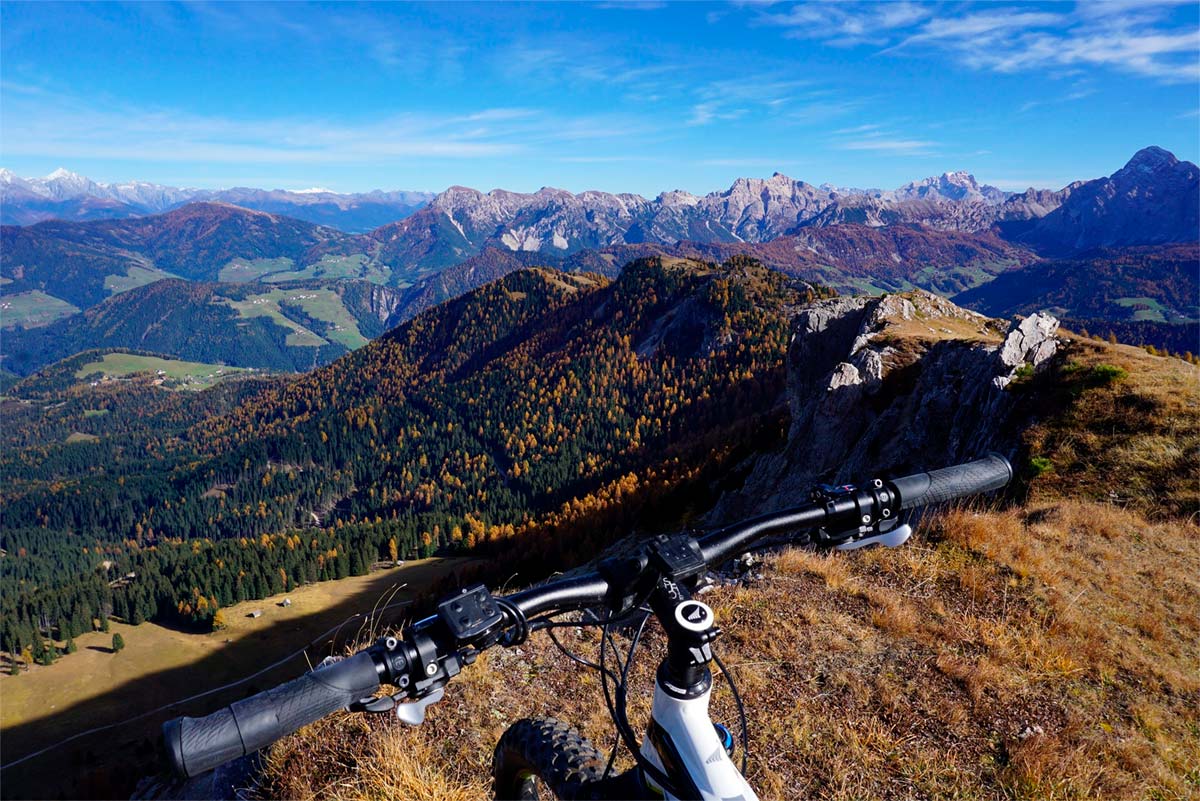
622,691
737,700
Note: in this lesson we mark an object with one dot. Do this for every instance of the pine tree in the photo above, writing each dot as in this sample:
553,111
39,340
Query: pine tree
118,643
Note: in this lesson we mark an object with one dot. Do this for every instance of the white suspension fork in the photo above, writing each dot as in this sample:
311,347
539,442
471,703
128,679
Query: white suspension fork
691,749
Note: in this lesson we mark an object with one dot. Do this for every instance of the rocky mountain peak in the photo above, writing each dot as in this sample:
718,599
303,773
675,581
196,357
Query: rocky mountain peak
957,186
1151,159
1152,200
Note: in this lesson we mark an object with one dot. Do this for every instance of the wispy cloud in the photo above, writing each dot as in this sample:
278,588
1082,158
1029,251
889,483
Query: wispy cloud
858,129
632,5
604,159
749,163
778,98
68,128
1070,97
890,146
846,24
1139,37
712,111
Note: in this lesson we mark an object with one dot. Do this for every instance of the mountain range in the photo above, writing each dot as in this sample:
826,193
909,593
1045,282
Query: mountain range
65,195
946,234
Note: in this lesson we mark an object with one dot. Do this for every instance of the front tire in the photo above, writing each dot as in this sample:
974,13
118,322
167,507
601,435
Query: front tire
545,754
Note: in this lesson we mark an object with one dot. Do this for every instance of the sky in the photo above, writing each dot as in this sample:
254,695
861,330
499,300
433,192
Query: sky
622,97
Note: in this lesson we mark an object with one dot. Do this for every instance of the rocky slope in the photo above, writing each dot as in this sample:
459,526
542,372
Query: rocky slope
896,383
461,222
986,633
850,258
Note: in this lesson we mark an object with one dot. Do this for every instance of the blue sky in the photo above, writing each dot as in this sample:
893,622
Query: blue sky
639,97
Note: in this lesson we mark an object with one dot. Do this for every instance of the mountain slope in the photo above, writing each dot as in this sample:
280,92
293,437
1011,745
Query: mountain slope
291,326
1154,199
1145,283
461,223
538,417
478,422
84,263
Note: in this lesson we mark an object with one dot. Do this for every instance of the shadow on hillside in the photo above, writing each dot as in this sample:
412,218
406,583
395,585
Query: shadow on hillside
99,648
109,763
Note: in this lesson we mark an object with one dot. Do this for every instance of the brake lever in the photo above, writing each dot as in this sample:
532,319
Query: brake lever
892,537
412,713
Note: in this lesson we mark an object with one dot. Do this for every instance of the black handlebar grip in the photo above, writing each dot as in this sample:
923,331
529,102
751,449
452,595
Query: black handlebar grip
992,472
196,745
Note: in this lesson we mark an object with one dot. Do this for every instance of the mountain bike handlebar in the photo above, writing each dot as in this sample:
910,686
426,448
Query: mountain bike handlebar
196,745
435,649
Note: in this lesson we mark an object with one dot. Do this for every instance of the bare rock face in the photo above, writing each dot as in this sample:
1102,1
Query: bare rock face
895,384
1030,341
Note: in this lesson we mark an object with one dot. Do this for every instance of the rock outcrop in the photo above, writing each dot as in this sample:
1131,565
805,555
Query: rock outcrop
899,383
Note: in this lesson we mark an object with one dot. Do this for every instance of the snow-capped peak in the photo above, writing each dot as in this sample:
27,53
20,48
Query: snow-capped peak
315,190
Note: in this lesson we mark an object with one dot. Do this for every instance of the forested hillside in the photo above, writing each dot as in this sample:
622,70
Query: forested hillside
496,417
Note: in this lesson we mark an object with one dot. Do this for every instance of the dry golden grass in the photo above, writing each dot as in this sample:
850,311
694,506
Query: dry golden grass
1132,440
1044,653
